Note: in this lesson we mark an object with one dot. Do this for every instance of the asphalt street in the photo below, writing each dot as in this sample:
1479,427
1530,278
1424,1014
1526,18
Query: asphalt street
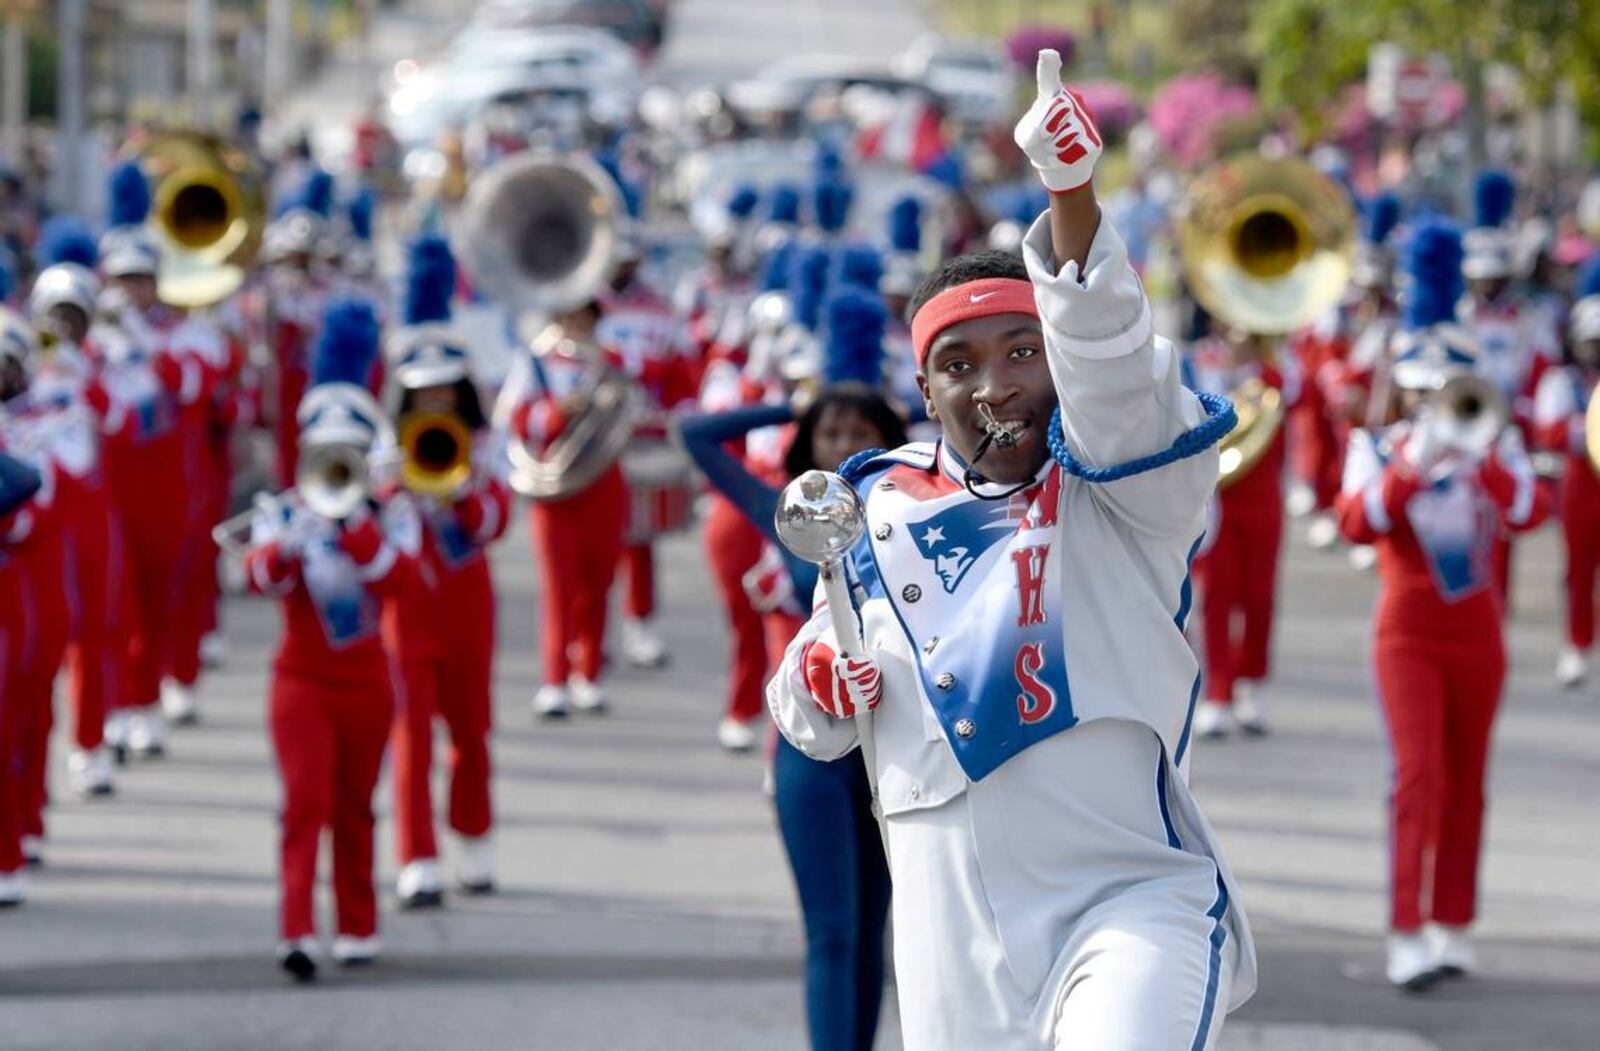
645,900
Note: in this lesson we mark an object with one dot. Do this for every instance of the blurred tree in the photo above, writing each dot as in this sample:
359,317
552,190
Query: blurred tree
1306,50
1214,36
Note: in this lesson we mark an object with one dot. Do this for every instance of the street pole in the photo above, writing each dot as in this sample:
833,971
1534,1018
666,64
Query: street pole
202,48
70,154
14,91
275,64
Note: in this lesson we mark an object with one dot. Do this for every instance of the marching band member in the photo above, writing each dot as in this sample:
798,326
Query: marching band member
1238,567
331,701
577,538
441,630
1558,417
145,386
1022,592
36,432
824,808
639,325
19,483
62,304
295,298
1434,499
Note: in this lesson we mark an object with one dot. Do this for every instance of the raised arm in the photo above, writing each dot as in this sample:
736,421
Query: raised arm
704,437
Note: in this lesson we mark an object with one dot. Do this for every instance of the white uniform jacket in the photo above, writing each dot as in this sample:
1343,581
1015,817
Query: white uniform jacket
1001,624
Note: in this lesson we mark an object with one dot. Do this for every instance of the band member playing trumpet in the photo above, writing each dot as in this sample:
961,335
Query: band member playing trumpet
1435,494
1022,589
330,553
442,628
568,380
1559,413
1238,564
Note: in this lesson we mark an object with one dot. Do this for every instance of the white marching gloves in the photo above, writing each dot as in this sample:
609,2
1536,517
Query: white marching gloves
1057,133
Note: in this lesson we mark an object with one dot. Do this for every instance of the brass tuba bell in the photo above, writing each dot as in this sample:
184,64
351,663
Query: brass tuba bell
207,212
541,233
1267,244
435,453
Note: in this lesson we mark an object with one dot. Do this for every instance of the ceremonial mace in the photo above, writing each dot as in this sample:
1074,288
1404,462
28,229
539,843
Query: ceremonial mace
820,518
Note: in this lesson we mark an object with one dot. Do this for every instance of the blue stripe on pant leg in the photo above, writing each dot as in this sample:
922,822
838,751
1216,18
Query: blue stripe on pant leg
1213,967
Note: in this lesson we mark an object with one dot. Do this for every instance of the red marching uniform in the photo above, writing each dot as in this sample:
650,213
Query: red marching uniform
18,525
1238,570
1558,425
1439,652
441,631
293,304
577,540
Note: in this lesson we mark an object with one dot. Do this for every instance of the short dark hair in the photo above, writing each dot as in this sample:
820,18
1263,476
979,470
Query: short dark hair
866,402
469,406
975,266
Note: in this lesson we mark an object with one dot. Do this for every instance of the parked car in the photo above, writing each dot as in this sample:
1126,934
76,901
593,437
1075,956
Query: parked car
974,77
634,22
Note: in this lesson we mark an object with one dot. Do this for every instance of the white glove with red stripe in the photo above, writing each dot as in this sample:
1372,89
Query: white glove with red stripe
1057,133
842,686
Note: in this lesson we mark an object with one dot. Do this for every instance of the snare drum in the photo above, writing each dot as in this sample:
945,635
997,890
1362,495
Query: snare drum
660,489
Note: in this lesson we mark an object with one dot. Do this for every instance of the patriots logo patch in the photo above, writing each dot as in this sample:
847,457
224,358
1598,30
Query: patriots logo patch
954,539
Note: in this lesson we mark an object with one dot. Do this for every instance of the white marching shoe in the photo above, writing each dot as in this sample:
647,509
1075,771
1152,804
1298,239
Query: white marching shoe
475,864
586,696
737,735
1572,667
641,646
178,703
213,649
1300,500
147,733
421,884
550,702
352,951
33,850
1411,965
299,957
115,735
1322,532
13,889
1250,708
89,772
1363,557
1213,719
1452,950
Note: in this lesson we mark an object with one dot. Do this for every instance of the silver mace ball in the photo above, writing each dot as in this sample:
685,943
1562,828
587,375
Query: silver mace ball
820,517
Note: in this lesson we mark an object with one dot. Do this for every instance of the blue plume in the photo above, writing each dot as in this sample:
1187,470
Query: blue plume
859,265
783,204
1493,195
857,320
830,201
611,161
347,344
1589,278
8,277
743,202
905,225
1383,214
130,196
66,239
359,210
430,281
317,193
946,169
808,280
1433,261
775,269
828,164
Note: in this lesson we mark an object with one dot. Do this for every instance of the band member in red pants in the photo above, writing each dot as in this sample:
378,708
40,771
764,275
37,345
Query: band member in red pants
332,562
62,303
577,537
1558,425
1238,571
19,483
1435,495
442,630
292,301
33,431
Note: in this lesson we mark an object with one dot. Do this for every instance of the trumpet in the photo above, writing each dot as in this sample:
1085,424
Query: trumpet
332,480
435,454
1470,413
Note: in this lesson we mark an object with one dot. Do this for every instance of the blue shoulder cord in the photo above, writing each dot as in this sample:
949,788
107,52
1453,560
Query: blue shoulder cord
1220,419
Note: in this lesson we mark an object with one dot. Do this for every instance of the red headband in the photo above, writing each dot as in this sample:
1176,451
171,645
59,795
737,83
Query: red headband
982,298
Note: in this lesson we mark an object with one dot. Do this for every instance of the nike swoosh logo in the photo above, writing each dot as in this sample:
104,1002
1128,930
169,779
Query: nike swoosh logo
979,297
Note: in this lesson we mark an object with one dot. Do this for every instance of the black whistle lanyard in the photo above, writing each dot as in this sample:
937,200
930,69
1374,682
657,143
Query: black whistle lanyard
994,434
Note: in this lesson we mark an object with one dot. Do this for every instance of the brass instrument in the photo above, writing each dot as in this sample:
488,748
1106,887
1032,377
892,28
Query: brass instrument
612,405
541,233
332,479
1471,414
435,454
1267,246
207,213
1591,430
